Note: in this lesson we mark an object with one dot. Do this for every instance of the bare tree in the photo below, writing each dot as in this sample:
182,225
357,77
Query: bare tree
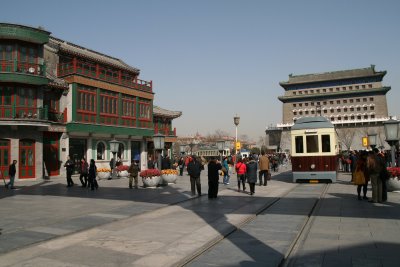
346,136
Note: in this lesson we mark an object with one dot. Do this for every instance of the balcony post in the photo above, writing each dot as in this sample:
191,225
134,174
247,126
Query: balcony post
46,113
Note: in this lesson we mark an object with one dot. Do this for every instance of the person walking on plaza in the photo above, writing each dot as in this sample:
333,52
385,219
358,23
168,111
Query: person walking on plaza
133,174
12,170
92,175
241,174
374,169
83,170
384,175
194,169
213,176
69,165
225,169
360,175
263,165
181,164
251,173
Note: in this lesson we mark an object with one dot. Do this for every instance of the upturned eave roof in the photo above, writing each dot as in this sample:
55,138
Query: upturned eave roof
330,95
332,76
74,49
160,112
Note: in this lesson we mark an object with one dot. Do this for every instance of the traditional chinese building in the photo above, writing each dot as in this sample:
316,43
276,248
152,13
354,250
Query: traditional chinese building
58,99
353,100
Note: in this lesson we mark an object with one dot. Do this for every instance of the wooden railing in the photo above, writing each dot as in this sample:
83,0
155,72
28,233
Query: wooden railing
31,113
15,66
103,74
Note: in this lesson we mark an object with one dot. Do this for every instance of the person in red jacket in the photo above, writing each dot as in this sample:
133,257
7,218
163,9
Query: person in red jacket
241,174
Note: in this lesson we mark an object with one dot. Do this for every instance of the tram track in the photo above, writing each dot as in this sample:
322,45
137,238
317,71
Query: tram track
264,211
288,260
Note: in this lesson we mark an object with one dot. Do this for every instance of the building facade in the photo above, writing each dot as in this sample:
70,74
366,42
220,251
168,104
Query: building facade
58,99
353,100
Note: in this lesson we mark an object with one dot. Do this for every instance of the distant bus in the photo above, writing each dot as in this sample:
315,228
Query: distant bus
314,144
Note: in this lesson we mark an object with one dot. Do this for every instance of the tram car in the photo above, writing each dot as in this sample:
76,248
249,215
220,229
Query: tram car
314,146
207,153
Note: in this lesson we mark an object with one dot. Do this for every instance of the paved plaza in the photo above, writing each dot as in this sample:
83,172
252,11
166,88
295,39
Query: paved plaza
46,224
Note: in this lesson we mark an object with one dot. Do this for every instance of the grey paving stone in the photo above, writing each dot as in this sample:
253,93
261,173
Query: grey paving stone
11,241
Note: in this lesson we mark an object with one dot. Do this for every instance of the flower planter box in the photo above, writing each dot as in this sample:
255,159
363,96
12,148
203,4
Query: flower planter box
169,178
123,174
393,184
103,175
151,182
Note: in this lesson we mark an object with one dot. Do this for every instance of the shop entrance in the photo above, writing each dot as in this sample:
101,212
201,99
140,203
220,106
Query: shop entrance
77,151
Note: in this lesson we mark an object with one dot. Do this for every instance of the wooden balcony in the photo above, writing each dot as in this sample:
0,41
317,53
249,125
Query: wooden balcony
22,113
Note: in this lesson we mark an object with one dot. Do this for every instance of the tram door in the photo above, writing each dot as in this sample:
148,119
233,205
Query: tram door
26,159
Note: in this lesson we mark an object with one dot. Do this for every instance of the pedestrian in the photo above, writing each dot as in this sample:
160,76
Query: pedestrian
225,169
251,173
194,169
150,163
360,175
384,175
92,175
213,176
241,174
112,167
165,163
181,166
83,169
374,168
133,173
69,165
12,170
263,165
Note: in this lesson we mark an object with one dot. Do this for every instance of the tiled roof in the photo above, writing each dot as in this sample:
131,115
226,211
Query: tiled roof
54,81
84,52
166,113
334,75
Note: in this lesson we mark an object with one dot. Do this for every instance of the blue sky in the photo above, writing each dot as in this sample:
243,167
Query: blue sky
212,59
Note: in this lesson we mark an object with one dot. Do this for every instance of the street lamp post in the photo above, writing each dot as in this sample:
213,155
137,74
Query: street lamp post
114,146
159,142
372,140
182,149
236,120
392,136
221,147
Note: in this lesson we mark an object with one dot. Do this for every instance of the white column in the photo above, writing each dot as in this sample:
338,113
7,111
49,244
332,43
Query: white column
143,155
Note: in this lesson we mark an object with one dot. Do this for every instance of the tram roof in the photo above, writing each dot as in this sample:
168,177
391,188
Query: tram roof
312,122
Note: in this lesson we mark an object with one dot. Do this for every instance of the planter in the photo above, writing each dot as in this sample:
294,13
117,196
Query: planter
103,175
169,178
123,174
393,184
152,181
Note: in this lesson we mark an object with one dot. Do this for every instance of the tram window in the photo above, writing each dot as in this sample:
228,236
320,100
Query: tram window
299,144
312,143
326,143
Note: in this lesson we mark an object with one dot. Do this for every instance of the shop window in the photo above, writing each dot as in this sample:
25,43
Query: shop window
121,150
101,148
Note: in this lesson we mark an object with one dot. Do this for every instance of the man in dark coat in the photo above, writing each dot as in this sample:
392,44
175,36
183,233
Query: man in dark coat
69,165
251,173
213,175
194,170
12,170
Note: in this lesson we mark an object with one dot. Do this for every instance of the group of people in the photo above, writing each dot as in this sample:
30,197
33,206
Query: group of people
87,173
370,166
250,169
